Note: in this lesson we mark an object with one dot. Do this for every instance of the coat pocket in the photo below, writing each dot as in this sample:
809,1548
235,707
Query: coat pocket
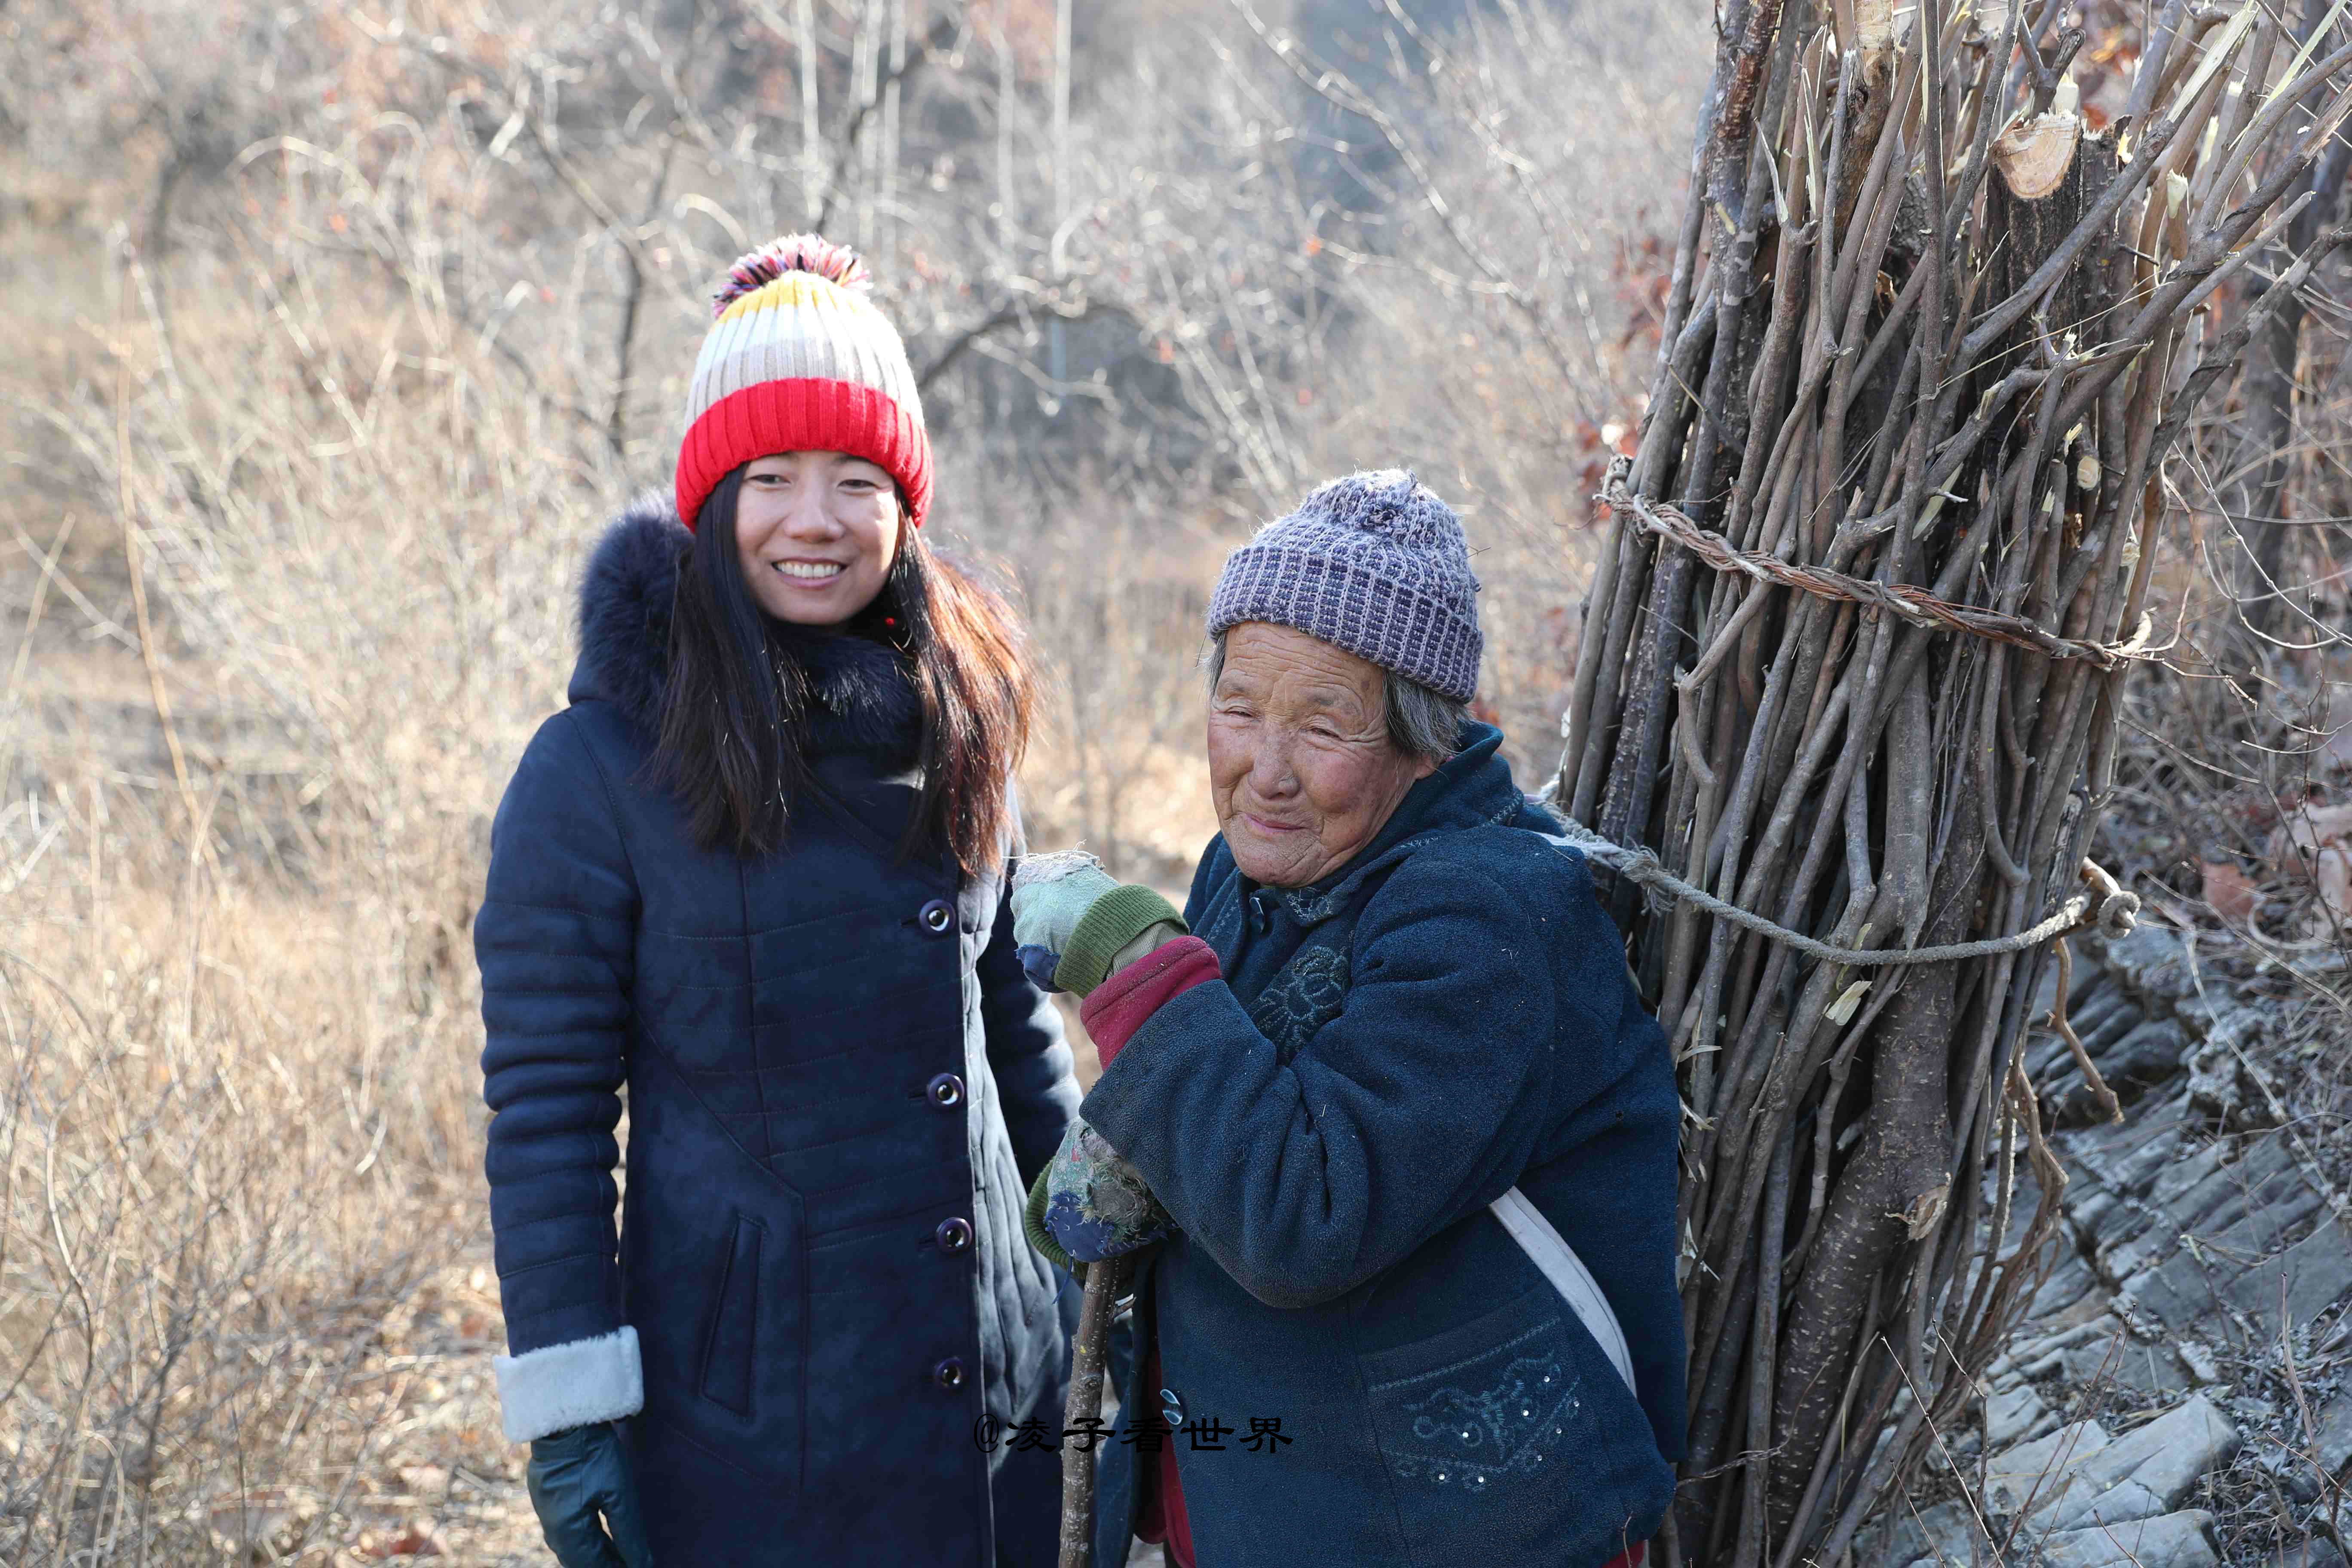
1507,1438
734,1325
717,1292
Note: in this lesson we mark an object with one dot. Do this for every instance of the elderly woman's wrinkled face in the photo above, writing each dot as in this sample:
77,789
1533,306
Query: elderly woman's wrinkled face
1301,768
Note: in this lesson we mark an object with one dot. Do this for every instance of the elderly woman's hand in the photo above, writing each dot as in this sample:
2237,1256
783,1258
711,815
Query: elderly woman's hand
1075,927
1088,1204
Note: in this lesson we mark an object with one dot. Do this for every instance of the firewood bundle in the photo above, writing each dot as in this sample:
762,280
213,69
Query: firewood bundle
1851,665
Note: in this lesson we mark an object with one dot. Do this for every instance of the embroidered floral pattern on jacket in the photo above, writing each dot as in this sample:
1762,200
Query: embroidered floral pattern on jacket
1471,1439
1308,994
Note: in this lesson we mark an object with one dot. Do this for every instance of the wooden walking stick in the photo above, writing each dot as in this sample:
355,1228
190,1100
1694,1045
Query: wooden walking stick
1084,1407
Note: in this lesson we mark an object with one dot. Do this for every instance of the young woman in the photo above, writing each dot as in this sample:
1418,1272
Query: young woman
754,872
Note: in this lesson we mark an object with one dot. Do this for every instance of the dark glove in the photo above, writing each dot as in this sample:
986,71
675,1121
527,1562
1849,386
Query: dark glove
576,1475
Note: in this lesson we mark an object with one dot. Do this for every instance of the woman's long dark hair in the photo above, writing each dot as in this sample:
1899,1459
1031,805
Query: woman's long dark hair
734,713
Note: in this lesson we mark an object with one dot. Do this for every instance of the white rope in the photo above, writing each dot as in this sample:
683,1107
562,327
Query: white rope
2116,911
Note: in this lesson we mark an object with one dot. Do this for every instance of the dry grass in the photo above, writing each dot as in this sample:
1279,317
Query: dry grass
242,1287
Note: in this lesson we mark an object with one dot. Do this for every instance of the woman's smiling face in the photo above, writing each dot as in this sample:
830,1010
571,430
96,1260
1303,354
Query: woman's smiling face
1301,768
817,534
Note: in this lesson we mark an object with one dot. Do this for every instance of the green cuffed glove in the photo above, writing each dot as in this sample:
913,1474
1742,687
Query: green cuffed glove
1089,1205
1075,927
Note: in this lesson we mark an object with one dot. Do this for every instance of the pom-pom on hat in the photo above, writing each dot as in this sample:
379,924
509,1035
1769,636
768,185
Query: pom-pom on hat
799,360
1374,564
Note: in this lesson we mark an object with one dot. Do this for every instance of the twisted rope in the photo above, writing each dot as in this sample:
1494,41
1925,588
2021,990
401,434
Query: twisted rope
2115,911
1914,604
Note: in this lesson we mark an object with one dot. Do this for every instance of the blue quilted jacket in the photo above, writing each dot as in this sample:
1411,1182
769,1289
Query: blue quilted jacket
838,1082
1389,1051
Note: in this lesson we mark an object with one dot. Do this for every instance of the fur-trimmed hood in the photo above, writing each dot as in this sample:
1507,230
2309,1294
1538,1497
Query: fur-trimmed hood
866,699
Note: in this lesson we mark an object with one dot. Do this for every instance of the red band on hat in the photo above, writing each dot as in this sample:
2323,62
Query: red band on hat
807,414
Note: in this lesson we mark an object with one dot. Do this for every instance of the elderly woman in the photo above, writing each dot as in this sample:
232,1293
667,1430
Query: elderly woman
1399,1003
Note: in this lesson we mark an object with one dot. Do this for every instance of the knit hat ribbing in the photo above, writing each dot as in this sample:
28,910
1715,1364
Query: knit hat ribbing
1374,564
801,360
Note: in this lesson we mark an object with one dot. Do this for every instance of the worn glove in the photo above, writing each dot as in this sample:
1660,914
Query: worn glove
576,1475
1075,927
1088,1204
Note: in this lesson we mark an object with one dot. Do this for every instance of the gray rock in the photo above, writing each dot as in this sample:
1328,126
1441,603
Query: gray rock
2335,1446
2086,1313
2101,1037
2149,961
1937,1537
2138,1253
1889,1543
2317,1272
2091,975
2288,1468
2260,1221
2182,1539
2036,1473
2126,1156
2195,1184
2197,1357
2216,1088
2312,1554
2164,1460
2120,1504
2212,1269
2095,1011
2153,1369
2016,1416
2148,1055
2123,1361
2090,980
2079,1477
2046,1058
2209,1196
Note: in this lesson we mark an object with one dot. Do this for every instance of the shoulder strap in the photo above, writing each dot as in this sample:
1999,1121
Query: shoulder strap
1549,1251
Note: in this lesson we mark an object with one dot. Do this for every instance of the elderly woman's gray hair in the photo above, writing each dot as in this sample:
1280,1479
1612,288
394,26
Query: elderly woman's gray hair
1421,722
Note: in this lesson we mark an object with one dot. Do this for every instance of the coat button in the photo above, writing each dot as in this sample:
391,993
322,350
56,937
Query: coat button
1173,1408
948,1373
937,916
953,1235
945,1091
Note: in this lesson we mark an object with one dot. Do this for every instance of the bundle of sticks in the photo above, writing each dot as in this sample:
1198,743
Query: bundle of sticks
1849,665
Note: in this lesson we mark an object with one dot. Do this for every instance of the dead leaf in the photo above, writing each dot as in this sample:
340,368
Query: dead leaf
1841,1010
2303,833
415,1540
2230,893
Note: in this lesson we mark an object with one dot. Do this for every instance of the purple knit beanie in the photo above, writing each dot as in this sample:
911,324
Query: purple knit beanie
1374,564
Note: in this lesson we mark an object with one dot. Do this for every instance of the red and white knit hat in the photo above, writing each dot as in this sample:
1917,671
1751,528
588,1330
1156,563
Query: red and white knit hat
801,361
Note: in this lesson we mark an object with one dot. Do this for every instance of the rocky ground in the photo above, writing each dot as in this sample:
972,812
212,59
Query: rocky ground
2181,1396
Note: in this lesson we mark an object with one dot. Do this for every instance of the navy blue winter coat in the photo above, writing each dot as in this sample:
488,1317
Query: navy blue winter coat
1389,1051
839,1082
